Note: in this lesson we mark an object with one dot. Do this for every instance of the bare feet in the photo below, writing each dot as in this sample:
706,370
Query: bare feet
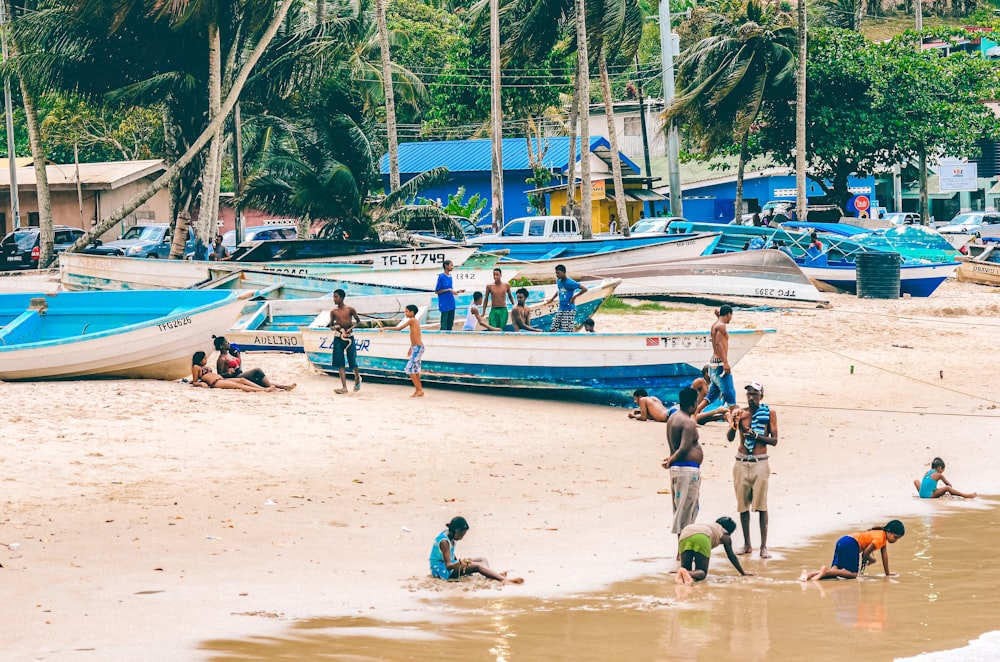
357,385
804,576
289,387
513,580
340,391
764,554
417,394
683,577
745,549
270,389
816,576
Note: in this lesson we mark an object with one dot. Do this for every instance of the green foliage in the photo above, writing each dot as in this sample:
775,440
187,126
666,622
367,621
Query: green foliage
101,134
540,177
616,306
457,206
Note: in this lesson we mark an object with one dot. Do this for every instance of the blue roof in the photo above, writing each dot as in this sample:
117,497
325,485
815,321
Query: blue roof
476,155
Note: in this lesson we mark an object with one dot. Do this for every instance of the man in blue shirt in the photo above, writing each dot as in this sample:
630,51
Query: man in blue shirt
567,291
446,296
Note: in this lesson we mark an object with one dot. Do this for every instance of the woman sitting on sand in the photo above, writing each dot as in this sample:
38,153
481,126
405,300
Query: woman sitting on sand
445,565
854,552
230,364
202,375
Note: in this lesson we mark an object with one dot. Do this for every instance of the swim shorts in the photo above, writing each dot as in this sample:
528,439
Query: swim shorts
564,320
342,346
413,363
698,542
847,554
498,317
685,485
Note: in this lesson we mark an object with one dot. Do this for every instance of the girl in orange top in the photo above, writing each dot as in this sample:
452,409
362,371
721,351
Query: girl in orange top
854,552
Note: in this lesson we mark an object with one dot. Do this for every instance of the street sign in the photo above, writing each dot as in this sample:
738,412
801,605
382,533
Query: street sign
861,203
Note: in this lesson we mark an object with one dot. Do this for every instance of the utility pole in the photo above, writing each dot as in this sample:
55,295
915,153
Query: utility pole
238,172
9,112
642,123
673,150
918,9
496,116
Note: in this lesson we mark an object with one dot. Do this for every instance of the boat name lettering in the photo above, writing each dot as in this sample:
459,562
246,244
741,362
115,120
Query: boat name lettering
679,342
412,259
288,270
773,292
173,324
290,341
360,344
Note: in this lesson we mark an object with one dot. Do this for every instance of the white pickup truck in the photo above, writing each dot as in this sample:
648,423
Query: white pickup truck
534,228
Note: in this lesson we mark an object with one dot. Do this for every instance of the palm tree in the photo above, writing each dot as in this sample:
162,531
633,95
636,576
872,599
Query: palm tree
727,79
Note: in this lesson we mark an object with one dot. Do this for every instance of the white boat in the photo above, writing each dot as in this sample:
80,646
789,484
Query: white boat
276,325
605,367
766,274
609,262
150,334
984,268
104,272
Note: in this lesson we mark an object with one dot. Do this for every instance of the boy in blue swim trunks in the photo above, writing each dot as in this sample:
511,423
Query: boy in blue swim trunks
416,352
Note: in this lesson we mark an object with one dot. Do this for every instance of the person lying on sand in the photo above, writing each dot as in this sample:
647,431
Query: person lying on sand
927,486
695,547
445,564
230,365
648,407
202,375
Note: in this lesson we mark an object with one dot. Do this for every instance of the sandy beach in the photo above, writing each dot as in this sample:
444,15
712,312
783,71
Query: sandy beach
146,518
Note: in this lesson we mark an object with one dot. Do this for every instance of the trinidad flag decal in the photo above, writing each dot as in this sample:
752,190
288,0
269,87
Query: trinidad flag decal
652,342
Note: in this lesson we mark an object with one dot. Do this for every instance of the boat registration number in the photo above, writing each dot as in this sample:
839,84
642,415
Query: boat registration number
773,292
412,260
679,342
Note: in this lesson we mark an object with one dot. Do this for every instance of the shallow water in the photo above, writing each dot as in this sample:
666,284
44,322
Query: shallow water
946,595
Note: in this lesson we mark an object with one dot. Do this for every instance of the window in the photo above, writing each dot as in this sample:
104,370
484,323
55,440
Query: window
633,126
33,219
515,229
536,229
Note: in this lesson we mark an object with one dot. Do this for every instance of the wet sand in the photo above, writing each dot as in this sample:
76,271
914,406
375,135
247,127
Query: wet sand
151,518
945,596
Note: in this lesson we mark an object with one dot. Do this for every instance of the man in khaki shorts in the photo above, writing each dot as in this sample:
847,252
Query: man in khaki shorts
757,425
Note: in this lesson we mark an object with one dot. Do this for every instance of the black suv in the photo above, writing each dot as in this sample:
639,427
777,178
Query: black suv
21,248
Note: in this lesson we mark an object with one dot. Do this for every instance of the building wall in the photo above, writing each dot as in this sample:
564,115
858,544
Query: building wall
629,132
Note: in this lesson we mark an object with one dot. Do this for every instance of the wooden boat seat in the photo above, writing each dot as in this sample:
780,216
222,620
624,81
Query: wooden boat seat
25,328
553,254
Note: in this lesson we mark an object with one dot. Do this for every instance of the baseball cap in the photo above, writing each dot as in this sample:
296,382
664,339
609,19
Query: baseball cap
757,386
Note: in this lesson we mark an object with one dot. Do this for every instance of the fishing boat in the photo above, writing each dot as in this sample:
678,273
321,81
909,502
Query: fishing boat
983,269
276,285
603,367
102,272
376,254
276,325
916,280
768,274
149,335
916,244
737,238
606,259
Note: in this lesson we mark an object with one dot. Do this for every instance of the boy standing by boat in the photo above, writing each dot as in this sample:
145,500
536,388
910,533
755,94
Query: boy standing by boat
446,296
416,352
497,295
343,319
567,291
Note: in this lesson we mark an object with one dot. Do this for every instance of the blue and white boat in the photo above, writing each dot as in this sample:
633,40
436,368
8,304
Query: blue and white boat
276,325
278,285
72,335
916,280
603,367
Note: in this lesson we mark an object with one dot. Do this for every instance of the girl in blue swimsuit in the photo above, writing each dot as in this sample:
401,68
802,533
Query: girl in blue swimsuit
927,486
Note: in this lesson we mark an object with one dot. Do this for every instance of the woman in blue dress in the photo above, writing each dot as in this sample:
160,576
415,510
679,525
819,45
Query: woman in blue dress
446,565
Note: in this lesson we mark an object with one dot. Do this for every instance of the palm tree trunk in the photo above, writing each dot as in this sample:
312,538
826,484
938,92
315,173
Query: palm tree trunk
41,176
801,201
208,211
616,164
583,72
496,118
179,240
574,117
320,12
738,203
174,171
390,99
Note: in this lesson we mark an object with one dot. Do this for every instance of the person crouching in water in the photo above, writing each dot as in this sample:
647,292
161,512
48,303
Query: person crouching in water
695,547
446,565
854,552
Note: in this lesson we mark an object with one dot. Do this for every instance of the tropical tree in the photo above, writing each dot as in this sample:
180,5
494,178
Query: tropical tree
727,80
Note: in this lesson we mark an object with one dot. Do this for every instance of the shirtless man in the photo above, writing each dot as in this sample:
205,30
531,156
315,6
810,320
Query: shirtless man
343,319
757,425
685,460
497,295
648,407
416,352
720,372
520,315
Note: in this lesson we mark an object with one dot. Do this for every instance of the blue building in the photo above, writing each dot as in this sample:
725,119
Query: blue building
469,162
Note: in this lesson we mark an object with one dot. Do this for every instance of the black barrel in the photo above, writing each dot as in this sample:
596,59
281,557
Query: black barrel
878,275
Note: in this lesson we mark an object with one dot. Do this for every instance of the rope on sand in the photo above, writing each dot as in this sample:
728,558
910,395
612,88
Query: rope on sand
892,372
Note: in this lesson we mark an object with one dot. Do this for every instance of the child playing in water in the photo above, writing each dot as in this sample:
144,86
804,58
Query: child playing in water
853,552
695,547
445,565
927,486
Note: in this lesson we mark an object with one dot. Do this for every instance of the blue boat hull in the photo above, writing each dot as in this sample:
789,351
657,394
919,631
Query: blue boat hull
547,250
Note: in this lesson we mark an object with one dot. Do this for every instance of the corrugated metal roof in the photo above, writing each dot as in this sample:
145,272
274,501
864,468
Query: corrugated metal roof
105,175
476,155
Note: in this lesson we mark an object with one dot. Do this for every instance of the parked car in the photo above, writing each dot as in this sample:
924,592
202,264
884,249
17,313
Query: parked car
656,225
970,222
151,240
902,218
260,233
21,249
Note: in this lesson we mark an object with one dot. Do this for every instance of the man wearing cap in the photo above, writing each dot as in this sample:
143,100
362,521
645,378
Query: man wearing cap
757,425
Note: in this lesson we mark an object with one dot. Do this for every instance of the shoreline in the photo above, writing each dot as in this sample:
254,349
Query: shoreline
148,501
